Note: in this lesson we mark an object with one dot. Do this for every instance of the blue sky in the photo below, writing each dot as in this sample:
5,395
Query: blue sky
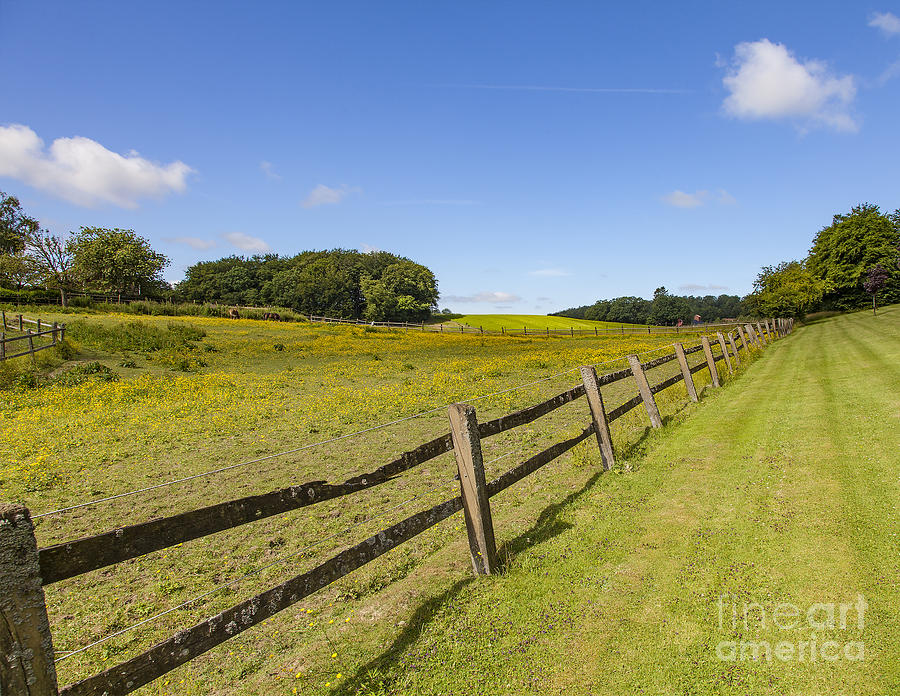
534,155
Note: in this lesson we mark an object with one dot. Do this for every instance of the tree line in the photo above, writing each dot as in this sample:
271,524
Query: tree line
664,309
853,262
341,283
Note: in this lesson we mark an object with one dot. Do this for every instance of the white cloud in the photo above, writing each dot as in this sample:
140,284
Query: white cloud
368,248
324,195
483,297
268,169
84,172
766,81
245,242
694,287
680,199
193,242
550,272
888,22
889,73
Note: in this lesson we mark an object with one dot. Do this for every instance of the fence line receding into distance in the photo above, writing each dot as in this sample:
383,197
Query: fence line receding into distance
17,323
27,659
621,330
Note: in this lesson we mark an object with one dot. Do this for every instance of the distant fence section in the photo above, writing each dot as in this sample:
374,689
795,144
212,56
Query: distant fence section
457,328
27,658
25,340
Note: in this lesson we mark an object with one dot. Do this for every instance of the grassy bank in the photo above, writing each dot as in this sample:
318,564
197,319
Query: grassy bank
780,489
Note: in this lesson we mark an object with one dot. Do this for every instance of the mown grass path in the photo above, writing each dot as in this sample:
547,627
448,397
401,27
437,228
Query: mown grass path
782,487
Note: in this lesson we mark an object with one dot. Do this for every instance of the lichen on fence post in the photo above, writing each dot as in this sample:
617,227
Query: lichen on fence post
734,349
725,352
644,388
598,414
710,361
26,646
686,372
472,484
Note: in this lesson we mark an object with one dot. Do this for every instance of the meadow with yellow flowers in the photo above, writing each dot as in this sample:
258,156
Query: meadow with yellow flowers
139,403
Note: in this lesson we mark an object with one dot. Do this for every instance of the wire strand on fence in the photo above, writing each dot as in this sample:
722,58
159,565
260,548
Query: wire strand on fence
267,457
256,571
311,445
277,561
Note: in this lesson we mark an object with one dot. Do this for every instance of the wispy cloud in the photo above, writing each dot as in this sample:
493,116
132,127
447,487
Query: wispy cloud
550,272
325,195
695,287
681,199
766,81
888,22
83,172
368,249
268,169
193,242
590,90
245,242
495,297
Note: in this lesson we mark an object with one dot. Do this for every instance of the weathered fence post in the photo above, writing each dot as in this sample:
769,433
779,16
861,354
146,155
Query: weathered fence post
31,344
62,332
56,331
710,361
3,345
743,337
686,372
472,484
39,325
725,352
21,324
644,388
598,414
734,349
3,312
759,333
26,646
753,339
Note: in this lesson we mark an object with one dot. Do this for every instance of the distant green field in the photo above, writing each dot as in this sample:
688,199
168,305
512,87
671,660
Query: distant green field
494,322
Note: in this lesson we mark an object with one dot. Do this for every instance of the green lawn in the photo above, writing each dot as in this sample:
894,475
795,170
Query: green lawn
779,489
538,322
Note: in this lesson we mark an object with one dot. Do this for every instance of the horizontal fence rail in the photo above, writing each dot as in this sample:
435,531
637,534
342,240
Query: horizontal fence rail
26,336
24,568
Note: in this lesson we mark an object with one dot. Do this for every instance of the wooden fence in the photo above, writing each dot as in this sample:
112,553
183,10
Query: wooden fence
26,646
22,326
621,330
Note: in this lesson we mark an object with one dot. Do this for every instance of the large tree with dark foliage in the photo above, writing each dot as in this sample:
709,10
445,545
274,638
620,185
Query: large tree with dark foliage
339,283
853,243
664,309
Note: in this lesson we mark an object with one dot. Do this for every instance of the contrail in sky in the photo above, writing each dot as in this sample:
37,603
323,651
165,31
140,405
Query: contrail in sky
597,90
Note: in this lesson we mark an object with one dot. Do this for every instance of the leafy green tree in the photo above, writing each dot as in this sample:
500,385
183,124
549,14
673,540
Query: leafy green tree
116,260
843,252
53,260
15,225
629,310
786,290
597,311
406,291
667,309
